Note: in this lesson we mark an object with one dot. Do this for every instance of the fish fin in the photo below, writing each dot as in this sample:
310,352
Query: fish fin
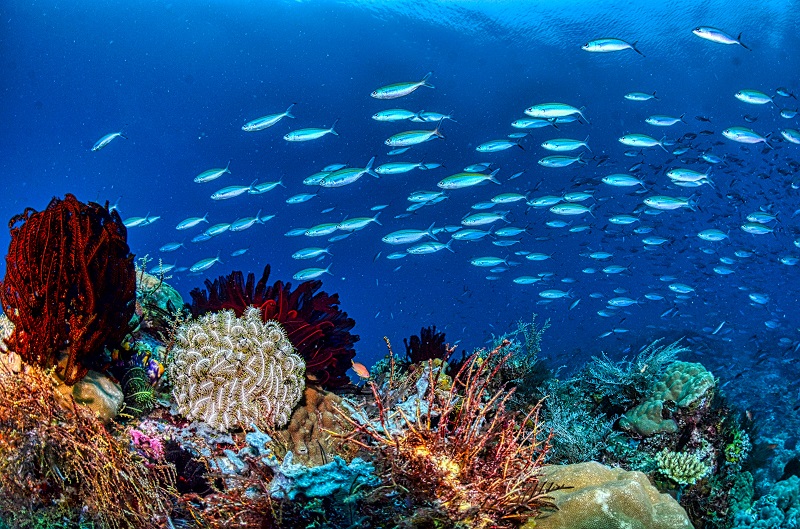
492,177
288,112
586,144
448,245
331,129
429,231
519,144
227,166
425,80
742,44
655,96
438,126
633,46
661,144
681,118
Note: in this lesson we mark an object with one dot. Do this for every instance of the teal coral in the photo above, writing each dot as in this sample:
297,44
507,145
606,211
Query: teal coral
334,479
681,467
230,371
683,383
780,509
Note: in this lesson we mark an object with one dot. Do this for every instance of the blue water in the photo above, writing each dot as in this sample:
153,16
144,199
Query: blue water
181,78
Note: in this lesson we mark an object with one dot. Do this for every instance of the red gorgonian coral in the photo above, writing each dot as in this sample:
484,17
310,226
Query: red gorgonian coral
318,329
70,284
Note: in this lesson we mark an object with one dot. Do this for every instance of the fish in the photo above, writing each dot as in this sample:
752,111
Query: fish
641,140
659,120
246,222
480,219
622,180
533,123
133,222
360,369
424,248
204,264
347,176
745,135
554,294
570,209
171,247
393,114
462,180
718,36
668,203
108,138
526,280
754,97
498,145
414,137
393,91
321,230
487,261
606,45
212,174
231,192
267,121
265,187
358,223
565,144
399,167
311,252
424,116
240,251
217,229
311,273
640,96
300,198
554,110
408,236
561,161
791,135
310,134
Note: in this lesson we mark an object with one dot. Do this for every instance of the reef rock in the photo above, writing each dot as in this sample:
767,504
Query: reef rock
607,498
96,391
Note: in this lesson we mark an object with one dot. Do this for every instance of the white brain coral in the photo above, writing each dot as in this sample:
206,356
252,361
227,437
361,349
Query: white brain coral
229,371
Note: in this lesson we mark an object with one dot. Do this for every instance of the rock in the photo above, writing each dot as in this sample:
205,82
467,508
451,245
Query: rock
97,391
607,498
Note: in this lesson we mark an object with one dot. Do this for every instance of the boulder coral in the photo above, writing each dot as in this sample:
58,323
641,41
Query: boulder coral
234,372
607,498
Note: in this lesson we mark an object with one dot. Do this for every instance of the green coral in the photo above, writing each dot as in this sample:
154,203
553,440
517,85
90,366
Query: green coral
683,383
738,449
230,371
681,467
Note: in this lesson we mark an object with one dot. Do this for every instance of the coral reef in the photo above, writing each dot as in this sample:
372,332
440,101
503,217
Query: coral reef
70,284
336,478
779,509
465,455
607,498
231,372
53,459
318,329
428,345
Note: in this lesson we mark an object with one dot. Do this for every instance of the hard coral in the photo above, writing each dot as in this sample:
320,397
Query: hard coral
230,371
318,329
70,283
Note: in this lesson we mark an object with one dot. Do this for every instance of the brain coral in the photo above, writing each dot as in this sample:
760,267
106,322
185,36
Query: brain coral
229,371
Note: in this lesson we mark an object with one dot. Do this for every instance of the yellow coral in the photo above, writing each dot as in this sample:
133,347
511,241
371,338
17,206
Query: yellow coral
680,467
229,371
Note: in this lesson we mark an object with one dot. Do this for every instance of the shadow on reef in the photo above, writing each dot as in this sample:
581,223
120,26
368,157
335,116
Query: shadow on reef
243,415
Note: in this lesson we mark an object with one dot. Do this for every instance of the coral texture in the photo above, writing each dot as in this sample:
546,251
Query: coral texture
70,283
230,371
607,498
680,467
318,329
428,345
683,383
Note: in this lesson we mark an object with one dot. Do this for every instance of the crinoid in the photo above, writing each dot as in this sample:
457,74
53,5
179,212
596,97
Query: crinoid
312,319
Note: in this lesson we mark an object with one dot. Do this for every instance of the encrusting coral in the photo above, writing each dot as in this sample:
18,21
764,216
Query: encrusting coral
70,284
231,372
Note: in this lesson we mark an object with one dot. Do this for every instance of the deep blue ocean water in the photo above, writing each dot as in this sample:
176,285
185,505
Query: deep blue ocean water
181,78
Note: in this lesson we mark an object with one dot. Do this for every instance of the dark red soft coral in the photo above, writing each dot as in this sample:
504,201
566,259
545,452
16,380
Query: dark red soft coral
314,323
70,284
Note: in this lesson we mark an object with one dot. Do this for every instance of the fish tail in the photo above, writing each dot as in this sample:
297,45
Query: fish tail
586,144
288,112
661,144
637,49
331,129
227,167
580,113
375,219
258,217
438,126
681,118
655,96
425,80
742,44
369,168
429,231
448,245
492,177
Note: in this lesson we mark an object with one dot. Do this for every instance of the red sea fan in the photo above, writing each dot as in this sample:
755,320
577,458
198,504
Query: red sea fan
318,329
70,284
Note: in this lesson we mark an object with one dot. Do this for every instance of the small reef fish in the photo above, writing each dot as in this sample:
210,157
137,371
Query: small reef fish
393,114
414,137
408,236
498,145
231,192
641,140
360,370
212,174
311,253
462,180
310,134
609,44
553,110
718,36
658,120
347,176
311,273
640,96
105,140
204,264
565,144
191,222
267,121
754,97
265,187
393,91
745,135
171,247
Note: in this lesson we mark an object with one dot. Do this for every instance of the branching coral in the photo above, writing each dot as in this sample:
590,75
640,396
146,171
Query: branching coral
230,371
70,283
466,454
681,467
428,345
318,329
65,459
